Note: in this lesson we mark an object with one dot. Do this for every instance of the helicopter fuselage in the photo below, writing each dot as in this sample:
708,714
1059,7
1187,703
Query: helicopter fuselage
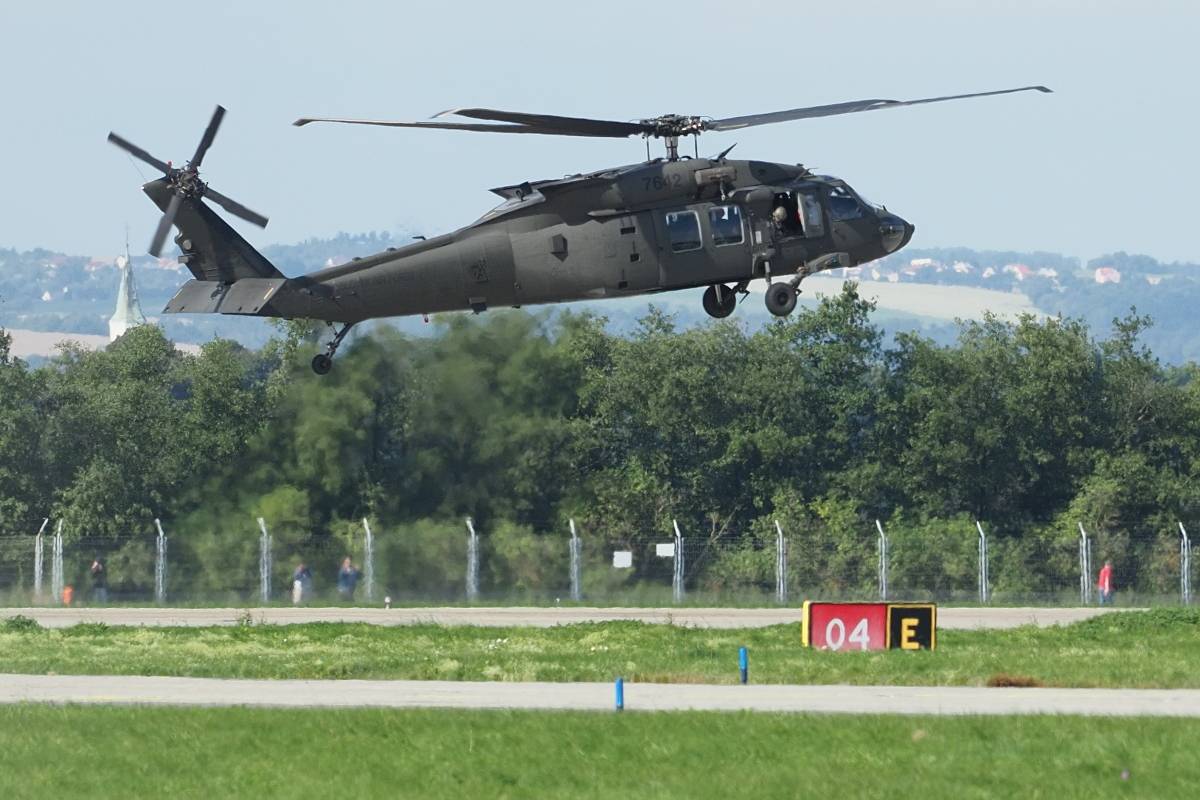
651,227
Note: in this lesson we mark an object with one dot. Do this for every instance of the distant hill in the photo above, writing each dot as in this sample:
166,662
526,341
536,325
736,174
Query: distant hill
1104,288
43,290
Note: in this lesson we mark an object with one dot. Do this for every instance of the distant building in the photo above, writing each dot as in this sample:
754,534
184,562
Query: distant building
1021,271
128,313
1108,275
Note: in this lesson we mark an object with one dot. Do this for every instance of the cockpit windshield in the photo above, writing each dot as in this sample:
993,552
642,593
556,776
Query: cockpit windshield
866,201
845,203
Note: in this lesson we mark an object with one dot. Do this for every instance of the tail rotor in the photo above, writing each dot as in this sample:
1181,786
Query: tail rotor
186,184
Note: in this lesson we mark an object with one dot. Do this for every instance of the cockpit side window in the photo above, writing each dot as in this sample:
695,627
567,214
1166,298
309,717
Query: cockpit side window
843,204
814,222
725,223
683,231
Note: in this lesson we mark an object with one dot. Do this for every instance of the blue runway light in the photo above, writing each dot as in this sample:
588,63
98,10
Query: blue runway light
620,694
744,664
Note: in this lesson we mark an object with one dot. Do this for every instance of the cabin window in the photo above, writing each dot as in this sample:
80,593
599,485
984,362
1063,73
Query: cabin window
843,204
786,214
683,231
725,222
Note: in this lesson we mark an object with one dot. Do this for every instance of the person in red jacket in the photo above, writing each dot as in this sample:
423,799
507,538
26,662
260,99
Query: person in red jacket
1104,583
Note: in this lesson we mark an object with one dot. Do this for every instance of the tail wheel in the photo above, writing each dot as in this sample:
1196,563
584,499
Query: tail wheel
781,299
719,301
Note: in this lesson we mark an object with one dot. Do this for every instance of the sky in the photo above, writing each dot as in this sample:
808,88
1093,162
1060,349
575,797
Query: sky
1108,162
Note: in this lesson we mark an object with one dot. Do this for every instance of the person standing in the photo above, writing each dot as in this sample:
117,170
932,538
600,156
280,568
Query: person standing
99,582
301,584
1104,584
347,581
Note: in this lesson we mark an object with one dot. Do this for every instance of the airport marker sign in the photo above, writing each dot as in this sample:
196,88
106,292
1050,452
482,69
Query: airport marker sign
869,626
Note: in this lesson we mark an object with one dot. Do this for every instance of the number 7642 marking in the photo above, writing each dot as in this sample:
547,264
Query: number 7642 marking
660,182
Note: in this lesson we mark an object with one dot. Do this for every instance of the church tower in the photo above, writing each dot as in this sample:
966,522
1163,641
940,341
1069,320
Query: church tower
129,312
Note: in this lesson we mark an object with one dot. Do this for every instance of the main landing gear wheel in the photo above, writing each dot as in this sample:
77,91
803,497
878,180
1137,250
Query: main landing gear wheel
719,301
781,299
323,362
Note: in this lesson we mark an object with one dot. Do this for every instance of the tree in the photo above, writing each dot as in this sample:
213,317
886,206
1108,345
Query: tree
23,488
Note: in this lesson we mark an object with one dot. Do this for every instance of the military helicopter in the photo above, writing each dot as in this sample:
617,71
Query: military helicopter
667,223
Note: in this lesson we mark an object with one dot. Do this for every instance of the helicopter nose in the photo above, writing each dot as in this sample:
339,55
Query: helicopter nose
894,232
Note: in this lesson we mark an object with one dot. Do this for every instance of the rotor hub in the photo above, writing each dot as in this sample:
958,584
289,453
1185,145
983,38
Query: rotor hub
673,126
186,182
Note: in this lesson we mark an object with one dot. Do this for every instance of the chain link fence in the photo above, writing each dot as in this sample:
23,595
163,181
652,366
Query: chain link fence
783,562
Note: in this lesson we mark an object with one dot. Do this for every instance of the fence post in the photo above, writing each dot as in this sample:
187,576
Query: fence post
160,564
781,556
883,561
1185,566
678,562
576,565
264,562
38,548
472,562
1085,567
985,592
56,564
368,560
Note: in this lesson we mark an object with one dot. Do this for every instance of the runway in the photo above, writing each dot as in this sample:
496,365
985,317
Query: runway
157,691
948,618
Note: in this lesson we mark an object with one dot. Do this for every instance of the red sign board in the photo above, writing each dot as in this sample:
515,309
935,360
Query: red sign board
846,626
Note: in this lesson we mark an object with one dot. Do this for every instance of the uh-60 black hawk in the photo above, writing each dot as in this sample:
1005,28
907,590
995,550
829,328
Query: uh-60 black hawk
668,223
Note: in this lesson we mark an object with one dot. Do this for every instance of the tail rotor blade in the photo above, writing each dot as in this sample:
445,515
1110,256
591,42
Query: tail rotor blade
235,208
138,152
206,140
164,227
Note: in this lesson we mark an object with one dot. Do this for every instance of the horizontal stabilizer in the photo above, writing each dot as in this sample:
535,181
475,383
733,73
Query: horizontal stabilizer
250,296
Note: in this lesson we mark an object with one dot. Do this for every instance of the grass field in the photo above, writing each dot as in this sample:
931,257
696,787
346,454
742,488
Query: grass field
1151,649
76,751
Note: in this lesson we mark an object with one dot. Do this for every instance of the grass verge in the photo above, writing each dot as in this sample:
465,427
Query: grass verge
1152,649
97,752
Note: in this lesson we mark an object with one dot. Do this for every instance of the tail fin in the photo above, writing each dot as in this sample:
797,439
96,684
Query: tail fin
231,277
212,250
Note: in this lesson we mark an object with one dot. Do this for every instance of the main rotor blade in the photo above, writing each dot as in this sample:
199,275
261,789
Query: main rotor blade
138,152
206,140
734,123
581,125
164,226
460,126
235,208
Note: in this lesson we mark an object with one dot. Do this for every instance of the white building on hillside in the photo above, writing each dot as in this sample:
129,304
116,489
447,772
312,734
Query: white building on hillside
129,312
